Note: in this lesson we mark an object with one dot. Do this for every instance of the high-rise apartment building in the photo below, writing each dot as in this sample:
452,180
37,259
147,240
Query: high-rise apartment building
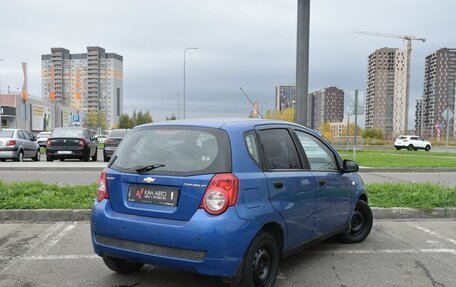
285,97
327,106
439,89
386,96
87,82
418,116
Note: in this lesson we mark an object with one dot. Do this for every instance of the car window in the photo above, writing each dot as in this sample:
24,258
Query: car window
414,138
252,146
6,134
21,135
182,151
67,133
320,157
279,149
27,135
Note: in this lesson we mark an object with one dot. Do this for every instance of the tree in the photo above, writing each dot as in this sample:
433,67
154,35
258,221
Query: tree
139,118
125,122
285,115
325,129
91,120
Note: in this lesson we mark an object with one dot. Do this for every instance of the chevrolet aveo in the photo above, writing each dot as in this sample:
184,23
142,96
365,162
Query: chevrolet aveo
223,197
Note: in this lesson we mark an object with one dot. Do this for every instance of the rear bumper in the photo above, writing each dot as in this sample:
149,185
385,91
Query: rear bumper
6,153
109,151
212,245
76,152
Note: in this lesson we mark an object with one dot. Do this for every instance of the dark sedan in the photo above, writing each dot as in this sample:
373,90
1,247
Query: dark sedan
111,143
74,143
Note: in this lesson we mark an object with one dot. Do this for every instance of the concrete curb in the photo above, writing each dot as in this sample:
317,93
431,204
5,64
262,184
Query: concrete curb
40,215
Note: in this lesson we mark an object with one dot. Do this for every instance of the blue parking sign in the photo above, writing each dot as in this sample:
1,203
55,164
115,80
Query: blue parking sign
76,118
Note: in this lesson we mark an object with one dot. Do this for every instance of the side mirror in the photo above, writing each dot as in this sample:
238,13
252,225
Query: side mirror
34,138
350,166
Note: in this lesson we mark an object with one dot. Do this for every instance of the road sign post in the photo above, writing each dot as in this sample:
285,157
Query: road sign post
448,116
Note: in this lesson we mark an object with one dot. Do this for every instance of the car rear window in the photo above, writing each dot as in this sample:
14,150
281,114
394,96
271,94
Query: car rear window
181,151
67,133
118,134
402,138
6,134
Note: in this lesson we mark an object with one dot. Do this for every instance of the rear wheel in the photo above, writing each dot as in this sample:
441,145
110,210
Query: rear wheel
410,147
398,148
122,266
361,224
37,156
49,158
261,262
20,156
427,148
62,159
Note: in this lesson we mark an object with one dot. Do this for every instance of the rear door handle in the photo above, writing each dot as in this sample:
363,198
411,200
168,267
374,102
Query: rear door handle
278,184
322,182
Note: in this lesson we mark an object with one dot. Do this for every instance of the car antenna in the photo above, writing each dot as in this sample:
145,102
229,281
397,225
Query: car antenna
253,105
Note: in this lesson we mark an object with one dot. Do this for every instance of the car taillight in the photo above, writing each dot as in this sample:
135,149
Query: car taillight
221,193
11,143
48,143
81,142
102,190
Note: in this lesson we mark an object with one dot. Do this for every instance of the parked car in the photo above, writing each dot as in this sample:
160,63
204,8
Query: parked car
17,144
224,197
41,138
412,143
100,138
111,143
71,142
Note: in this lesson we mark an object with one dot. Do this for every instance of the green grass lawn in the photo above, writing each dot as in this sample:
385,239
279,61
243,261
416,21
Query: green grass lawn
37,195
401,158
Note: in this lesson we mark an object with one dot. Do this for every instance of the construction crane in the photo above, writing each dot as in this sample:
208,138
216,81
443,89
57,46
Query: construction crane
409,40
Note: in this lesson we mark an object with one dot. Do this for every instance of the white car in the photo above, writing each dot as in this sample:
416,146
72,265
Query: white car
42,138
412,143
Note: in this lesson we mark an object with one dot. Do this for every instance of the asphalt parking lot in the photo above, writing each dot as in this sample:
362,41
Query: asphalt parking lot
397,253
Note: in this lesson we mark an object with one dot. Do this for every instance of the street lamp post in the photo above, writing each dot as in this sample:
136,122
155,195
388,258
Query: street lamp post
185,50
1,109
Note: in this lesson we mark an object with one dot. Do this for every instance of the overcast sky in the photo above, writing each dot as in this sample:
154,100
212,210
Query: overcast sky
242,43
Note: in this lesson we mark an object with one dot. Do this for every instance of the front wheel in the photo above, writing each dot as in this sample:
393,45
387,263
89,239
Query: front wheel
361,224
37,156
122,266
398,148
410,148
261,262
427,148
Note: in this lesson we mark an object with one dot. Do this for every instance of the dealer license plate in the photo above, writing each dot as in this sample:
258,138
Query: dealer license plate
153,194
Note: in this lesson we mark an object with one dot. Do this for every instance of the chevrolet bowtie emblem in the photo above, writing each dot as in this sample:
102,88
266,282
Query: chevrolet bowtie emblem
149,179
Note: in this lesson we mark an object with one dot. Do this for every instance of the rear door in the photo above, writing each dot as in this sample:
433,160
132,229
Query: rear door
291,188
334,190
182,162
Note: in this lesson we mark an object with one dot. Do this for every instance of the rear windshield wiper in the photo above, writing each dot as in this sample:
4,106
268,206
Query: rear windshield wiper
149,167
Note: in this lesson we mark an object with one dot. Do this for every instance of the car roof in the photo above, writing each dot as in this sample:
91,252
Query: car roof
220,122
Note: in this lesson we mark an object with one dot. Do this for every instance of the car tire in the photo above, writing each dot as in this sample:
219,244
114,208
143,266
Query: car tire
122,266
86,157
62,159
20,156
398,148
427,148
2,160
49,158
106,159
37,156
410,147
95,156
360,225
261,262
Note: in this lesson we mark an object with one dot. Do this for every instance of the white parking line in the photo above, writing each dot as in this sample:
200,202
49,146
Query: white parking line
451,240
57,238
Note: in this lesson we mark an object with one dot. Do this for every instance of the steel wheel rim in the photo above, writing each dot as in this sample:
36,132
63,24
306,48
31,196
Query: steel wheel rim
358,222
262,265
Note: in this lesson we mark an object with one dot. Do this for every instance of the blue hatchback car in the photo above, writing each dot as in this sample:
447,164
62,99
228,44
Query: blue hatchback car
224,197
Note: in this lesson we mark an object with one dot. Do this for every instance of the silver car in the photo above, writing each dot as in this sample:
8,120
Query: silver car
18,144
